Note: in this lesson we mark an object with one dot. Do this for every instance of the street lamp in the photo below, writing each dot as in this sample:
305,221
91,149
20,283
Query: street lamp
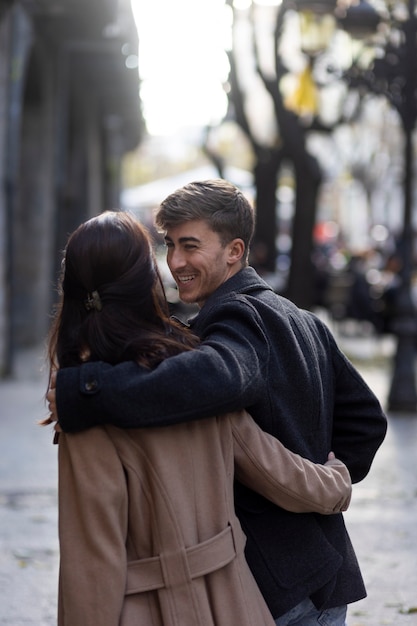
393,74
359,19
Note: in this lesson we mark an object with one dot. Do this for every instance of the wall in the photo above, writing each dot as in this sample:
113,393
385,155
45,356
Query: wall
70,111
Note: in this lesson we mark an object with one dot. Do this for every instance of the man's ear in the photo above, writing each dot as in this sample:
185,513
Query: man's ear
236,249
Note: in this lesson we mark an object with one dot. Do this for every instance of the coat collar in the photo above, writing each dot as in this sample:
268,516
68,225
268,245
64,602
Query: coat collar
246,281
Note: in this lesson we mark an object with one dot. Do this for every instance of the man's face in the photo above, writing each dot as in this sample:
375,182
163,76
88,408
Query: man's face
198,261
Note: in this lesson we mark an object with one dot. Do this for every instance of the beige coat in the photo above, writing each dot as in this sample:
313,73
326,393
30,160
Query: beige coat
147,528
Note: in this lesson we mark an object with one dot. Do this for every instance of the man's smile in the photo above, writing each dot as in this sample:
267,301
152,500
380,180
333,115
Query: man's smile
185,278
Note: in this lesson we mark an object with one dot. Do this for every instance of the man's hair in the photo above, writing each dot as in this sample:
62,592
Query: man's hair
222,205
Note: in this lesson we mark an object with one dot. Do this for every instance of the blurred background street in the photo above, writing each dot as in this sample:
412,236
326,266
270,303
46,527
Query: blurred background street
381,519
310,108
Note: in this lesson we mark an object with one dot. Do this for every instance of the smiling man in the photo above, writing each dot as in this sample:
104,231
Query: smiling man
198,260
261,352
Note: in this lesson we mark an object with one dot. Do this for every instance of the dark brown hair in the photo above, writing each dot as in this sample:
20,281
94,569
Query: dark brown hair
112,306
222,205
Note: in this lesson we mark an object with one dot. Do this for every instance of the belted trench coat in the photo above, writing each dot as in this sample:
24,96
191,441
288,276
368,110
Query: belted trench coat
147,528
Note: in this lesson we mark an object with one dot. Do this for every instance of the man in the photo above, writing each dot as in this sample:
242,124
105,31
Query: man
258,351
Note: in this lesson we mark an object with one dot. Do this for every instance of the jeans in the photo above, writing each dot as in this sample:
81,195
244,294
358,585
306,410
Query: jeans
306,614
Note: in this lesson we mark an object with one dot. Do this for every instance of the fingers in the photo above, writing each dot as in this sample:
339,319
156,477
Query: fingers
332,460
52,408
52,380
51,398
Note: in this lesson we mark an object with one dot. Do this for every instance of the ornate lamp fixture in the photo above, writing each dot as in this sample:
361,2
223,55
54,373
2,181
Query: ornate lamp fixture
359,19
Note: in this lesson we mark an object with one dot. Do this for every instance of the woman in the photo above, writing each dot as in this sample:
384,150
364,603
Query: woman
147,528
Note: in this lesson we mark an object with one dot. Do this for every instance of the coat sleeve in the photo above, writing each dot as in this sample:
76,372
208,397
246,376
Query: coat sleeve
92,530
225,374
287,479
359,423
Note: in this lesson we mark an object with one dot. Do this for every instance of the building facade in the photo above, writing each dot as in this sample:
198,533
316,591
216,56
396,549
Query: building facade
69,111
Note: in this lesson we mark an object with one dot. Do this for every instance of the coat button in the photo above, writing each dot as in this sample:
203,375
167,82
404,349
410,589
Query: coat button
91,385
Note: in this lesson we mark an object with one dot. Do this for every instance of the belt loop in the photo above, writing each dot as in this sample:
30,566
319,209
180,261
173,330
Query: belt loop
175,568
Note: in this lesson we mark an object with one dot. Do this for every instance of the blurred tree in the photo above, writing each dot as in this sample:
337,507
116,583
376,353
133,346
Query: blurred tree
282,140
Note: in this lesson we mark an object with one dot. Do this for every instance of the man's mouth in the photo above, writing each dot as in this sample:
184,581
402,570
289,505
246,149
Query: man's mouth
185,279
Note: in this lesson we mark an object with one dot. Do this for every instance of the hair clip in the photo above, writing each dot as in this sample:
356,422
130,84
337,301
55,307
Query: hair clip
93,301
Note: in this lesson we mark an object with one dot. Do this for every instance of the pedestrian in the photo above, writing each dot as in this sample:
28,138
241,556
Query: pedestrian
258,351
147,529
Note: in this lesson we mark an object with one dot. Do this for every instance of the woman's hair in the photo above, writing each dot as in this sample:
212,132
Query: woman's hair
112,304
222,205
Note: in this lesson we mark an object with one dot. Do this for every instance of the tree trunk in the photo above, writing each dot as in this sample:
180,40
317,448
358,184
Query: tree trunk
301,282
264,250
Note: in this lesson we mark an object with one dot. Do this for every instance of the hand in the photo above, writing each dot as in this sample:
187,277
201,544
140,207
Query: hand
51,397
332,460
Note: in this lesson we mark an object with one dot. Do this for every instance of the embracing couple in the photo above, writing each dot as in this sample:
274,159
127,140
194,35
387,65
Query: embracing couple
153,390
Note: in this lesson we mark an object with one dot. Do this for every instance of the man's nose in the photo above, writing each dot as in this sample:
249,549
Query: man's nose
176,259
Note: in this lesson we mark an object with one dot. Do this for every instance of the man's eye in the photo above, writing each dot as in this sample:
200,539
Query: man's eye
169,244
190,246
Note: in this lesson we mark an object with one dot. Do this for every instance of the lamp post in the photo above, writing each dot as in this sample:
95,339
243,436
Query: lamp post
394,75
402,396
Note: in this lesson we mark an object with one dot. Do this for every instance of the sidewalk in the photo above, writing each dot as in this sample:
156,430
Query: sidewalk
28,500
382,519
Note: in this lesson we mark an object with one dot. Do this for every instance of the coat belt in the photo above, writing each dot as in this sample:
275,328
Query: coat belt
205,557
